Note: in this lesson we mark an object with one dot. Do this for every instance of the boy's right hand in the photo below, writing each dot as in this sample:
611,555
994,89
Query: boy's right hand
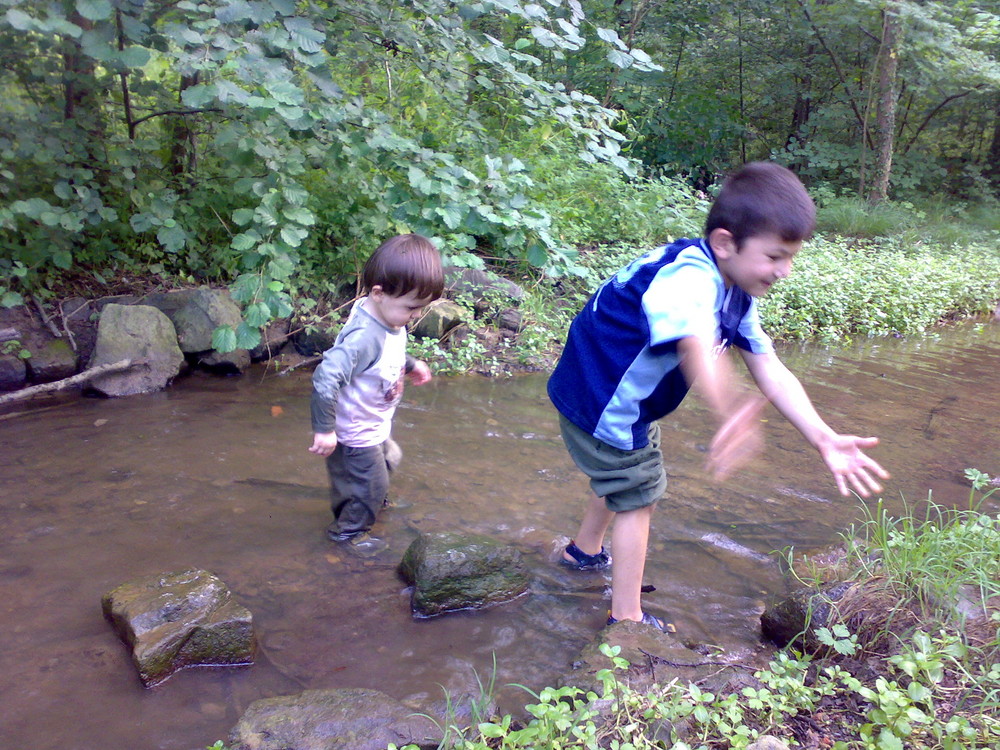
737,441
324,443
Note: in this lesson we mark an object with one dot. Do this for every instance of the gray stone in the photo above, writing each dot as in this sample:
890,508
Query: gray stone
205,310
450,572
54,359
797,617
511,320
173,621
480,284
169,303
333,719
13,372
273,338
135,332
767,742
309,343
225,363
440,317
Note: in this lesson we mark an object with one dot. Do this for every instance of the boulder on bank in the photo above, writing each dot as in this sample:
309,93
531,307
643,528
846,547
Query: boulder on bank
333,719
797,618
440,317
172,621
137,333
205,310
451,571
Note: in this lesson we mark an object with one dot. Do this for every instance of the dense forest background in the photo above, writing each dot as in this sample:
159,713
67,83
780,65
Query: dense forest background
272,144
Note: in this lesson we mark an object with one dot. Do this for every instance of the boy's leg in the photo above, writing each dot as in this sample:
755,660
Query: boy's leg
629,539
359,482
596,519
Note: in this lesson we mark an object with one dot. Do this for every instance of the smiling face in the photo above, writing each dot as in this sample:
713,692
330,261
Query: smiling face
762,260
395,311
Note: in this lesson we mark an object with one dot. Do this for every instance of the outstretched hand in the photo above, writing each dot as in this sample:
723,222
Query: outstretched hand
851,468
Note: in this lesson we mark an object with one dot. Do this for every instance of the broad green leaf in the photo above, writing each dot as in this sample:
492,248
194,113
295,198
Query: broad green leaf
243,216
134,57
19,20
619,59
11,299
300,215
94,10
245,241
281,267
62,259
224,339
611,37
258,314
172,238
247,336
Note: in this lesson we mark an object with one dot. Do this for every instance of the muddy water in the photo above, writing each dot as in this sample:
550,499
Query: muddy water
215,474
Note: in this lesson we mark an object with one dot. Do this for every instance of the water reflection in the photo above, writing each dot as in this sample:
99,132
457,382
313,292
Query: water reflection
209,474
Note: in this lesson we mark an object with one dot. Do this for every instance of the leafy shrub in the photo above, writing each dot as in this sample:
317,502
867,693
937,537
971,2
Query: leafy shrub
838,291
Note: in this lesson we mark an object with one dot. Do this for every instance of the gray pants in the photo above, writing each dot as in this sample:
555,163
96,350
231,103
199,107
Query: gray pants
359,483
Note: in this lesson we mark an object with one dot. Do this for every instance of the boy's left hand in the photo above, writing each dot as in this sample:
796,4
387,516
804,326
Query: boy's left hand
850,466
420,374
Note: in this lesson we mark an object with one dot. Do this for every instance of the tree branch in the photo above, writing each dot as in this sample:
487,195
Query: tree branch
151,115
59,385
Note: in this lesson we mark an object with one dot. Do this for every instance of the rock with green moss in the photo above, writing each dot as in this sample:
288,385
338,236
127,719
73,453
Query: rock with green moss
451,571
332,719
172,621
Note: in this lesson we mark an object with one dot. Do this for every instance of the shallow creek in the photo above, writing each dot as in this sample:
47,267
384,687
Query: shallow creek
214,473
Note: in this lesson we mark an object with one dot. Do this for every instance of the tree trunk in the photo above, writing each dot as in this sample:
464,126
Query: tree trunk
885,117
993,161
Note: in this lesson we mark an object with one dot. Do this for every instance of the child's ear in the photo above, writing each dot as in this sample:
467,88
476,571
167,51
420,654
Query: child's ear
723,243
376,291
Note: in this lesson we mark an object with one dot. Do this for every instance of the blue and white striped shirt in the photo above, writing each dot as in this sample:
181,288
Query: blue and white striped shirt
620,368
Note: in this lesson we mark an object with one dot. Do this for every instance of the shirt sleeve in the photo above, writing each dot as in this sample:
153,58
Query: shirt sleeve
751,335
353,353
680,302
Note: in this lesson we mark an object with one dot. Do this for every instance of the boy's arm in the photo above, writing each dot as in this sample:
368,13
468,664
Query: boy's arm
738,437
842,454
353,353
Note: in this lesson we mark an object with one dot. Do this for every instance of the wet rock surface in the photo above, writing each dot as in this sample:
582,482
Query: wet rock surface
451,571
139,333
172,621
331,719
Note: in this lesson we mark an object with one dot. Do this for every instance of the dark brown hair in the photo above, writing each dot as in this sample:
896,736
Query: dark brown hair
405,263
763,198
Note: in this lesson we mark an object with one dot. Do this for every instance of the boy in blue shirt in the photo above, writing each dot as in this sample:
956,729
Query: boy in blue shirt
661,325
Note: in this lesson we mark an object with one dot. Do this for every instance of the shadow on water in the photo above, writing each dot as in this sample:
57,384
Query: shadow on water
215,474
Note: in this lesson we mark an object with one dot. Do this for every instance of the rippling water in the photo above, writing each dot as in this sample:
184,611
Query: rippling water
215,474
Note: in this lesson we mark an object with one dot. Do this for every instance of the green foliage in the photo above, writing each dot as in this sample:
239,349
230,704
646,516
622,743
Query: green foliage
257,140
904,706
935,559
836,292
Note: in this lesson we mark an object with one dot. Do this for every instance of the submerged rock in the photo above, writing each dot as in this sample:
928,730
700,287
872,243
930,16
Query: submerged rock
333,719
173,621
450,571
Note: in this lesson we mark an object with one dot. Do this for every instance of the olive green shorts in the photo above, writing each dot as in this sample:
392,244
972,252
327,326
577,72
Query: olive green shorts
627,480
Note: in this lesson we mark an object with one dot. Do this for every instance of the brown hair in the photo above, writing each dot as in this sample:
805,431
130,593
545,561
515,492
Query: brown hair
405,263
763,198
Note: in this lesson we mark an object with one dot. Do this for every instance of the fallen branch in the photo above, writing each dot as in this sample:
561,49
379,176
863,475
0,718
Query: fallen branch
45,318
9,334
303,363
59,385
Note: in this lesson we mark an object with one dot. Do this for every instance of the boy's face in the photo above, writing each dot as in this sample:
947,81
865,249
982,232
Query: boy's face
395,311
762,260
